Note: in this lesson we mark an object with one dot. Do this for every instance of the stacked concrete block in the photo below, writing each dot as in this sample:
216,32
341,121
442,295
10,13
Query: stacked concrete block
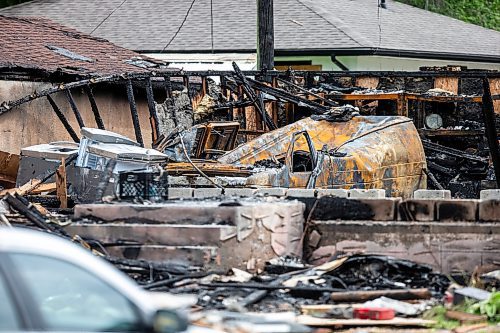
272,191
432,194
490,194
180,193
334,192
213,192
366,194
239,192
456,210
301,193
489,206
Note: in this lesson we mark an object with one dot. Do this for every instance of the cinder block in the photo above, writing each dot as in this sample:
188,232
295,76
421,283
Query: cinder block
334,192
490,194
330,208
456,210
300,193
432,194
180,192
489,210
207,192
274,191
239,192
417,210
368,194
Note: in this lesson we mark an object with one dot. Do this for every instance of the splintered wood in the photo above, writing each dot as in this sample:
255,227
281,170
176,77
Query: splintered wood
62,193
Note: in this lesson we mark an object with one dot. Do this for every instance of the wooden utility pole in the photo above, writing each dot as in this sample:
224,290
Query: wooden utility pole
265,35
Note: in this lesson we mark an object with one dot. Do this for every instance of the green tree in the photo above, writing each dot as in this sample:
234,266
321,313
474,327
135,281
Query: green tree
485,13
6,3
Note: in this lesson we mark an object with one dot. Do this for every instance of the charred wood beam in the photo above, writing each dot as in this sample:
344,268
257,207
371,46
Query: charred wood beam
6,106
34,216
452,152
329,102
286,96
490,129
63,119
93,105
133,111
168,86
72,103
257,99
153,116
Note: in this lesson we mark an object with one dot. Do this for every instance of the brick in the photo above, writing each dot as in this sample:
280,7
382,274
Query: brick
335,192
301,193
214,192
370,193
456,210
490,194
432,194
274,191
489,210
180,192
417,210
239,192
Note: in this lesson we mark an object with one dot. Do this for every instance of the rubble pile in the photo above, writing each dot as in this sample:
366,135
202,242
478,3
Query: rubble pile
326,221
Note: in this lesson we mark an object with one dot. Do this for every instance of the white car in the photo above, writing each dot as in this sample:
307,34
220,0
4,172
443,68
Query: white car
48,284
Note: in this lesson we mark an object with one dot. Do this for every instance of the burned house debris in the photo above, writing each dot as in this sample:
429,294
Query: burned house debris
320,194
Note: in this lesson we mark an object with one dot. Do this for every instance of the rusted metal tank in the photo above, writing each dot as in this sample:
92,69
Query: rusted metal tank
365,152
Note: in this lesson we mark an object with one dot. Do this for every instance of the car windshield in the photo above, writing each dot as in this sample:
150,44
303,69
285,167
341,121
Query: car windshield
70,298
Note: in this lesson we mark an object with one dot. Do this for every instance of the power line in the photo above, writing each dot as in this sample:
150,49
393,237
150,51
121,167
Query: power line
180,27
107,17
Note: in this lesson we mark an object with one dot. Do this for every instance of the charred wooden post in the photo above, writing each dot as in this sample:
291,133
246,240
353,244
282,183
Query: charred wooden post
168,86
265,36
490,130
153,116
257,99
63,119
133,111
72,103
185,80
93,105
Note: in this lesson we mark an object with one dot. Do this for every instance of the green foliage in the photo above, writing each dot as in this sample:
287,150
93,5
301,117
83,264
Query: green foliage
485,13
6,3
489,307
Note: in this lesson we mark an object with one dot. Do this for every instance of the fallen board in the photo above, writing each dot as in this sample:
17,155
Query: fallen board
322,322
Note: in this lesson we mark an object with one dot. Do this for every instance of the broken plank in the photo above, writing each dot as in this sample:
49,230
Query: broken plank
61,185
322,322
366,295
49,187
464,317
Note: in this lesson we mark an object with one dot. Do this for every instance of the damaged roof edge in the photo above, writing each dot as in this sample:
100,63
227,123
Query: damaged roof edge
354,52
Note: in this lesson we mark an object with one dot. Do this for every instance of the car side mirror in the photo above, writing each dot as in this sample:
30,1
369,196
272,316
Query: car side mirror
168,321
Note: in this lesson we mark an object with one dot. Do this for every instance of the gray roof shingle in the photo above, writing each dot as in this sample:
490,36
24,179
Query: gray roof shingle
300,25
